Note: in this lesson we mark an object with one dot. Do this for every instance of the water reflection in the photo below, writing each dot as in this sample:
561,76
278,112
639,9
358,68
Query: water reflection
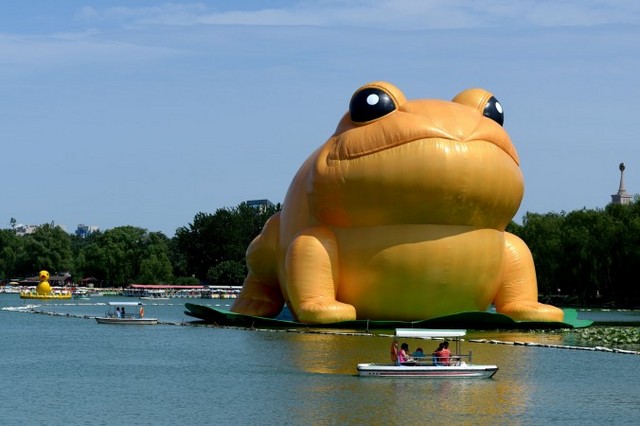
391,399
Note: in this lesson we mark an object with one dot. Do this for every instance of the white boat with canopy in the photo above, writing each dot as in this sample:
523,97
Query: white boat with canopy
457,365
126,313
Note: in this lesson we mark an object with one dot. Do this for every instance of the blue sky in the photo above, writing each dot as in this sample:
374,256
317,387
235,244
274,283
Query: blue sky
145,113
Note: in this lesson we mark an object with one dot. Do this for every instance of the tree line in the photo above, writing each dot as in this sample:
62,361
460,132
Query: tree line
210,250
585,257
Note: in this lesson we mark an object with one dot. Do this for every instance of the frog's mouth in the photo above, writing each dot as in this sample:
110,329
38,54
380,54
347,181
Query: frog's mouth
417,121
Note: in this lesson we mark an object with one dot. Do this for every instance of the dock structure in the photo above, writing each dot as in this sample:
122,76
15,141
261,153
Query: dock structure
182,291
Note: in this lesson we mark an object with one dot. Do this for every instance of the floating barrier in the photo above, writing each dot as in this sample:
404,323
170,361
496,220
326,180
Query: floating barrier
549,345
33,309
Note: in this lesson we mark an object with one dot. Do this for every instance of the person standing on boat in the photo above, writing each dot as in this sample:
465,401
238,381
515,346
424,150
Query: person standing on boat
118,313
394,352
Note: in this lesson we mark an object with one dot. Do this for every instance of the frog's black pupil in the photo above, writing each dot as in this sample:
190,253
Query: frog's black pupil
494,111
369,104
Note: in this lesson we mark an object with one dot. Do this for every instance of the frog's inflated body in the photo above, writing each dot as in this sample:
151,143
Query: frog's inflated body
400,215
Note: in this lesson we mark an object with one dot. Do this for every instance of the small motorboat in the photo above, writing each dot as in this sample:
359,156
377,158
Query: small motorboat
126,313
81,294
458,365
154,295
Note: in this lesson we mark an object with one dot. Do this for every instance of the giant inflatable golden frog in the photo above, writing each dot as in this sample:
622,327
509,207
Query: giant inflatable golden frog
400,215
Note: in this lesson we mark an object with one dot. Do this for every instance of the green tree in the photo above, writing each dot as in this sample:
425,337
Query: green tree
582,249
115,255
49,247
625,252
223,236
179,262
227,272
542,233
125,254
186,281
10,246
155,266
589,255
155,269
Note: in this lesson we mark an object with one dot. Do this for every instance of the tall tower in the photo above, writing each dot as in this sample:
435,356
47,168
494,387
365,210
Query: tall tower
621,197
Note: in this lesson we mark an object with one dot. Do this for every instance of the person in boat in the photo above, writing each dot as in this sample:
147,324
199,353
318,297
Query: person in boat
442,355
394,352
122,311
418,354
436,354
118,313
403,355
445,354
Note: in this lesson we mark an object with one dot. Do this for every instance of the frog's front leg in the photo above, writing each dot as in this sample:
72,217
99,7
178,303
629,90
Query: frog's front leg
518,294
312,278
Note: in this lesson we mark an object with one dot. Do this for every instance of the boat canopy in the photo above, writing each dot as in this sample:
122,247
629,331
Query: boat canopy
125,303
425,333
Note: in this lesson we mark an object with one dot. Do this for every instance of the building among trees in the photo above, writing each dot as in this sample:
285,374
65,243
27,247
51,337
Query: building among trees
260,205
21,229
83,231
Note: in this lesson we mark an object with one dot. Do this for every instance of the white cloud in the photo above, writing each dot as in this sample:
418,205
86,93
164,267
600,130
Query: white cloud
387,14
69,49
127,34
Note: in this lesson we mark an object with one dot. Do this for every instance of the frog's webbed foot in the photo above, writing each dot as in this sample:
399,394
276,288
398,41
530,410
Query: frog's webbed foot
532,311
256,307
324,311
258,299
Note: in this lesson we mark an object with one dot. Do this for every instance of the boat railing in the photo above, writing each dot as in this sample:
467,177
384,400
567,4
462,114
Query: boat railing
111,314
456,359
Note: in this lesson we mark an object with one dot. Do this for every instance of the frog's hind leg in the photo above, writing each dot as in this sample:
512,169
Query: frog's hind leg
518,294
312,278
261,294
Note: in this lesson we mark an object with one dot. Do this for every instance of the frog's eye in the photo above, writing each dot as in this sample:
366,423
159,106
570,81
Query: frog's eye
483,102
494,111
370,103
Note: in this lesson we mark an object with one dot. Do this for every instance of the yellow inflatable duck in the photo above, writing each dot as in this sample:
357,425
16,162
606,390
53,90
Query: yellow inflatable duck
400,215
43,288
44,291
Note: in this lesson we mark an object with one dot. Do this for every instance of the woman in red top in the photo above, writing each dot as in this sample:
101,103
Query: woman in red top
445,354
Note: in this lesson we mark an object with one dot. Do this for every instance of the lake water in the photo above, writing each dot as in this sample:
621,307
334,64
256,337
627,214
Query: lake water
66,370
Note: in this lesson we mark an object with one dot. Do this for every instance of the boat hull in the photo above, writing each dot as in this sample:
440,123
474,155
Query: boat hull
127,321
46,297
427,371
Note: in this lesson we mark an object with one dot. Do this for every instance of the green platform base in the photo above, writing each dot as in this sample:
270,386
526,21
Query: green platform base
467,320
